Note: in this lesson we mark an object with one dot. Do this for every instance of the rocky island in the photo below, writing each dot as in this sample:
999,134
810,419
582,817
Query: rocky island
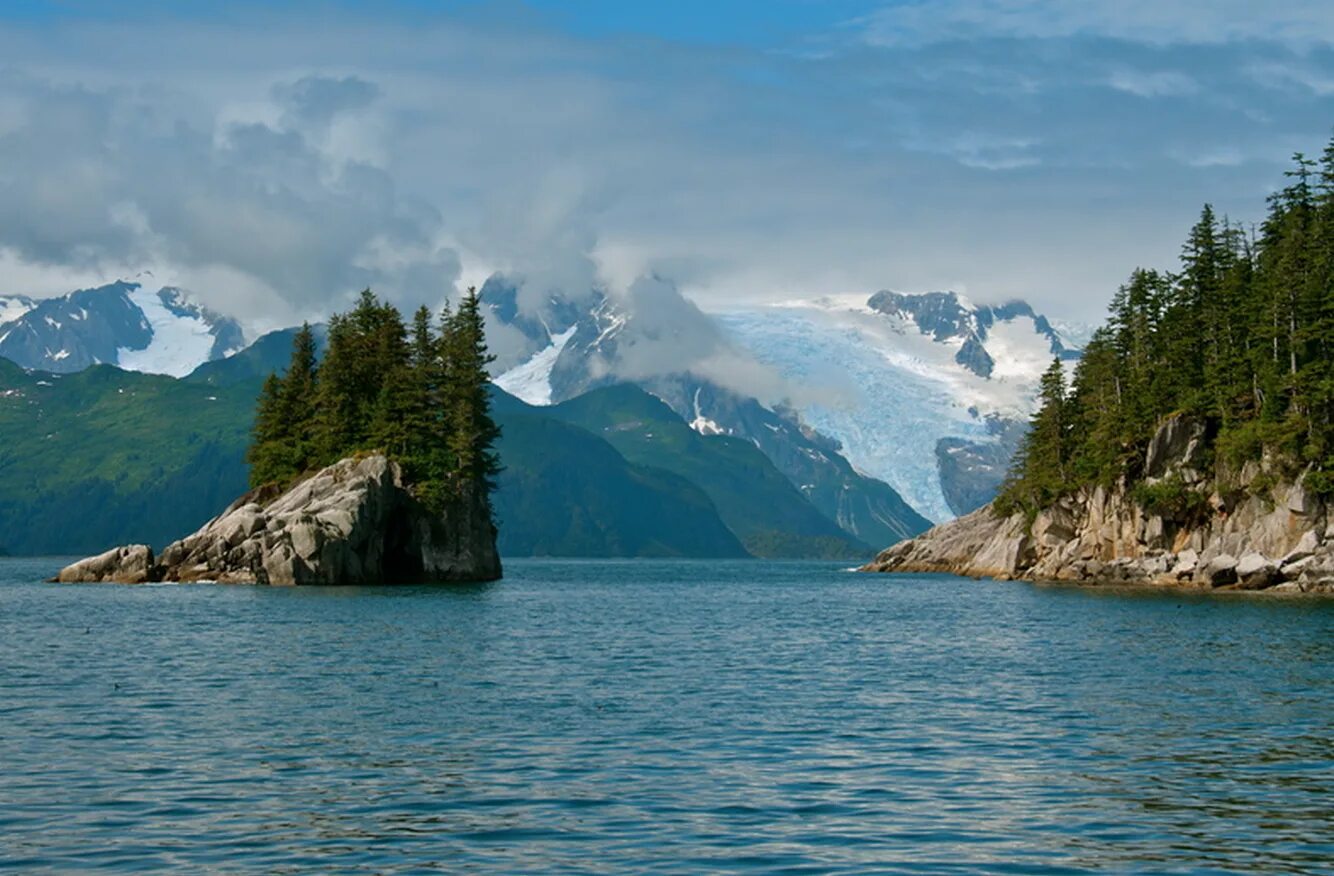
354,522
373,466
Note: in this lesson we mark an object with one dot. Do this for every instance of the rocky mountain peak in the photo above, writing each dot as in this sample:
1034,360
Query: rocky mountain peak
121,323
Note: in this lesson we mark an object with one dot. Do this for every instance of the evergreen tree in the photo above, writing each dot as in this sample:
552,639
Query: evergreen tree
268,451
299,391
337,422
1045,453
281,448
471,431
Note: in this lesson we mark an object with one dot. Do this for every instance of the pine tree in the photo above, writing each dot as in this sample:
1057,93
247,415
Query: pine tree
268,453
298,397
336,426
472,433
1044,457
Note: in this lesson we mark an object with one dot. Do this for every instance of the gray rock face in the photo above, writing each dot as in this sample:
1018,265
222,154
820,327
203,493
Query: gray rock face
131,565
352,523
1099,536
1176,447
972,471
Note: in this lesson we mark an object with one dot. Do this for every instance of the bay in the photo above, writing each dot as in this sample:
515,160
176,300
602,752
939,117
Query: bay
663,716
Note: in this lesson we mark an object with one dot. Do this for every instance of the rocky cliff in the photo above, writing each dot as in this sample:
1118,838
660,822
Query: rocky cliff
1242,530
354,522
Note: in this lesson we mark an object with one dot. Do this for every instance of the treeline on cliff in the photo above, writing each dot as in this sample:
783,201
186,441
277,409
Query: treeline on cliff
1238,337
418,393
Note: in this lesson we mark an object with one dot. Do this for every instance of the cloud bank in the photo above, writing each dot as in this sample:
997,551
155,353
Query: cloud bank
278,162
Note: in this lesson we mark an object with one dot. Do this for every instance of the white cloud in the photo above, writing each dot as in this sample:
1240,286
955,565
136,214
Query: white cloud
1160,83
1302,22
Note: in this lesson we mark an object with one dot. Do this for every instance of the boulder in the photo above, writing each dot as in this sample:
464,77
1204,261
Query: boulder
1185,566
1256,572
355,522
1221,571
127,565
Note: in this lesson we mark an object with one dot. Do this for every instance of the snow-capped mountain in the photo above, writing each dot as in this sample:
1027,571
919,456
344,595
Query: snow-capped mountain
657,339
124,324
928,393
950,319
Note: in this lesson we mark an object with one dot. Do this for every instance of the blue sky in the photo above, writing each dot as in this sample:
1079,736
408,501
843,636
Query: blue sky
276,157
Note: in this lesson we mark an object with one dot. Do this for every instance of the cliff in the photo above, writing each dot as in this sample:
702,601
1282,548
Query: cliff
1236,530
355,522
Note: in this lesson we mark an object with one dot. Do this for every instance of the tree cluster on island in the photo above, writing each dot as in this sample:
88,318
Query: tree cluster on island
1239,337
420,394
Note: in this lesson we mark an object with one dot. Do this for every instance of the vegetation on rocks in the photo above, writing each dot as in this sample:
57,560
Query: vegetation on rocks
1238,338
419,394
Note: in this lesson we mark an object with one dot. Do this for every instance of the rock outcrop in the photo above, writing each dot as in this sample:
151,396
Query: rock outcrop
1244,533
354,522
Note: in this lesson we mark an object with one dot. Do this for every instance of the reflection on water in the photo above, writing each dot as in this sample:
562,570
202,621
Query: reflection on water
665,716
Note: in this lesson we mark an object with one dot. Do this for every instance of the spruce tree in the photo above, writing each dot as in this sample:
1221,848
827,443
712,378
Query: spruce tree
472,433
299,391
271,436
1042,471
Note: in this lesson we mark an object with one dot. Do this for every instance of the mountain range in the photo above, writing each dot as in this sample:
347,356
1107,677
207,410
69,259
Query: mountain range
625,430
926,394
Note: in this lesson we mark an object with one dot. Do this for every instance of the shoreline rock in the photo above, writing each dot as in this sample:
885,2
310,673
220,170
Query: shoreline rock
1242,531
354,522
1278,542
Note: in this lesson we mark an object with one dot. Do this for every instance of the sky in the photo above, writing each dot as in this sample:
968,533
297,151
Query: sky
276,158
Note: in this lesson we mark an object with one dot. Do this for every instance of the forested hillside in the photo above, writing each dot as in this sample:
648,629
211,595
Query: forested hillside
1238,337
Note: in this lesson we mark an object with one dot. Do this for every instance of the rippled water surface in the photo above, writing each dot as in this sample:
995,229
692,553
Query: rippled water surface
662,716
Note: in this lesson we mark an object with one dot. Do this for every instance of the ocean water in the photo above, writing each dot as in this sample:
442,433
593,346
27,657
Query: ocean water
613,717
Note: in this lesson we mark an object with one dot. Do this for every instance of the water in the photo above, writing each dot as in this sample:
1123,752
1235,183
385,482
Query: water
663,717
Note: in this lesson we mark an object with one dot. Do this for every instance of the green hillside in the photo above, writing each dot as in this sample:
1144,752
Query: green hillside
755,500
105,457
565,492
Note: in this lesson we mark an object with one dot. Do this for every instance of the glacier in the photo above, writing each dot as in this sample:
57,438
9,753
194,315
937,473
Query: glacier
886,391
180,343
531,381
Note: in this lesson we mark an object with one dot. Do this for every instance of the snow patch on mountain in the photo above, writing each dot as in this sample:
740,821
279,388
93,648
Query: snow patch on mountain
181,342
702,424
1075,334
531,381
14,306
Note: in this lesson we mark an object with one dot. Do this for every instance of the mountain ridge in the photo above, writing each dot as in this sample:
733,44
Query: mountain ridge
122,323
